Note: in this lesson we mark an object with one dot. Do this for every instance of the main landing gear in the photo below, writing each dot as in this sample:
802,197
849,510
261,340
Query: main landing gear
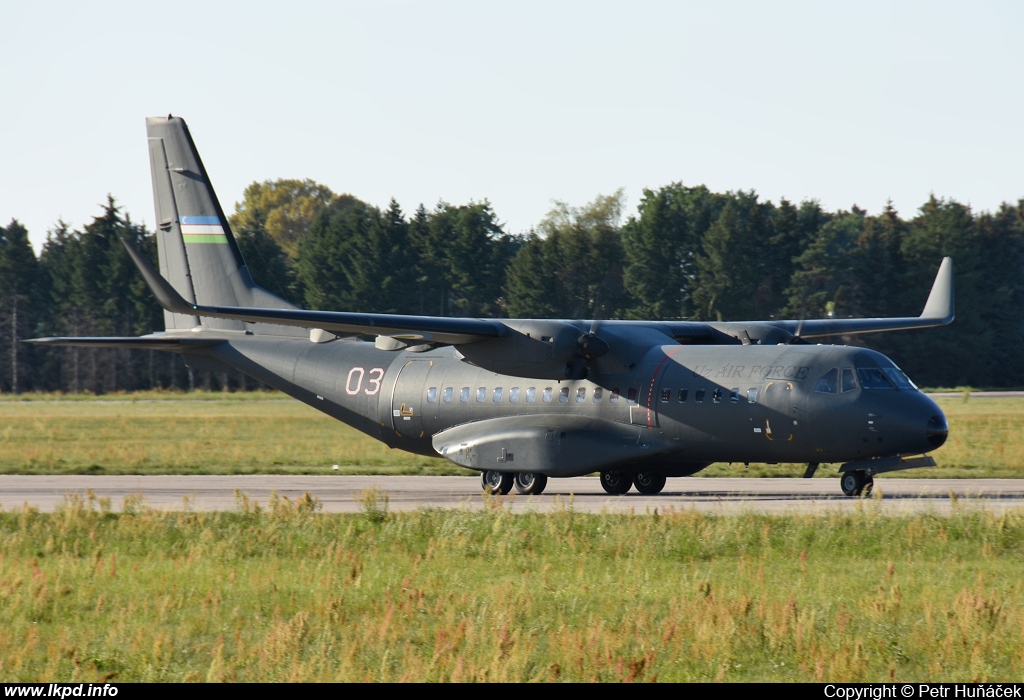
856,483
500,483
649,483
618,483
496,483
530,484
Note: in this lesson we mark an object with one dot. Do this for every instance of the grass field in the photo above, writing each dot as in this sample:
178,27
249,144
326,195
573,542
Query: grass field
289,594
214,433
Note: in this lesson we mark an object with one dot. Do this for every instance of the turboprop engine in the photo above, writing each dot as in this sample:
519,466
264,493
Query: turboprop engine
539,349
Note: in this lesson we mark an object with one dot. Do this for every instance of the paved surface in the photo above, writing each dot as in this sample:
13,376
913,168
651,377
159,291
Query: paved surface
978,394
343,494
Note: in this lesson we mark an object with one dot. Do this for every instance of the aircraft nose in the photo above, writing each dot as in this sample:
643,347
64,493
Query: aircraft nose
938,430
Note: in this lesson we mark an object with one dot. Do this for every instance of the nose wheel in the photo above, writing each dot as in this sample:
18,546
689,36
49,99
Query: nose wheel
856,483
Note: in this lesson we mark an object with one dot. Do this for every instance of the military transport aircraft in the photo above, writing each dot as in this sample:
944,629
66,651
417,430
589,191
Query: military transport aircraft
522,400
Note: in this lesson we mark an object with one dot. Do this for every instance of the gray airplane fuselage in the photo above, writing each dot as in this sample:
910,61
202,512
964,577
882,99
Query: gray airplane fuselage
678,408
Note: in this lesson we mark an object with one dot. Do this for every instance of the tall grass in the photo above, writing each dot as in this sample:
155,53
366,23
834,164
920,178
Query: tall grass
283,592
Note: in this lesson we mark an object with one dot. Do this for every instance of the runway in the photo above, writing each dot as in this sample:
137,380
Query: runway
344,494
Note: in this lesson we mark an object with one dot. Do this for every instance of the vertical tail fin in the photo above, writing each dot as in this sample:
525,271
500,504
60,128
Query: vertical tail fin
198,254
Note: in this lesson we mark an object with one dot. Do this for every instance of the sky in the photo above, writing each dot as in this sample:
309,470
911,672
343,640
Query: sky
518,103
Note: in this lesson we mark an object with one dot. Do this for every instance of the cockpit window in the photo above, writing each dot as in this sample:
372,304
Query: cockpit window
899,379
873,378
829,382
849,381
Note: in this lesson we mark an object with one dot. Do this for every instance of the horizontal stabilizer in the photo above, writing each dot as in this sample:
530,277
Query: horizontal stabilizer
425,329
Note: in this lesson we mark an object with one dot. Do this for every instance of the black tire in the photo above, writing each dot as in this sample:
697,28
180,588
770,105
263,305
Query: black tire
856,483
616,483
649,483
530,484
496,483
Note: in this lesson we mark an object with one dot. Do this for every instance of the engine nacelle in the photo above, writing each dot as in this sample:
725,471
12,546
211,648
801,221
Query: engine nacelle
539,349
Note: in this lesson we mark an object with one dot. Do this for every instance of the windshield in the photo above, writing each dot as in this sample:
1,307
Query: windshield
873,378
897,377
884,378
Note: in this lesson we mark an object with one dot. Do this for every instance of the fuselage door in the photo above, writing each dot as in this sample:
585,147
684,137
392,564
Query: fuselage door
780,424
407,401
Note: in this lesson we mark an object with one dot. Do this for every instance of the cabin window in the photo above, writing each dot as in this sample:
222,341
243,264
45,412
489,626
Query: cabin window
531,394
563,395
752,395
699,396
631,396
682,395
666,395
849,380
481,394
546,396
872,378
581,395
828,383
597,394
716,397
449,391
432,394
497,394
734,395
513,394
464,394
615,395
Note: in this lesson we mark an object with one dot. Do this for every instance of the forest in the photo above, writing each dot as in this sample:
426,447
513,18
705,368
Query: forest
685,253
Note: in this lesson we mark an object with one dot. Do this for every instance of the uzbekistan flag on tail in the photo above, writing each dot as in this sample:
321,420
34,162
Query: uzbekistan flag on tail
202,229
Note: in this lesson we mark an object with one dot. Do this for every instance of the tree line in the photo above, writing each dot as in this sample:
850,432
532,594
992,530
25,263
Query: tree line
685,253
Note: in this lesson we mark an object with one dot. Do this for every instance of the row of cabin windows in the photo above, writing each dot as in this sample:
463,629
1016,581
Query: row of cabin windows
530,395
497,395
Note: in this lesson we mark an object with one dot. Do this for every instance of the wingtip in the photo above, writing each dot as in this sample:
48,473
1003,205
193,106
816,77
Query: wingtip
940,304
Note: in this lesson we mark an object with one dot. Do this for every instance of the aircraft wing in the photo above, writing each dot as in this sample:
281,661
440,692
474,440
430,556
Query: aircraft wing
938,311
425,328
145,342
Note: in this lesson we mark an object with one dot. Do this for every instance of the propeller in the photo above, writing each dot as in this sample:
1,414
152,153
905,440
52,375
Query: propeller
589,347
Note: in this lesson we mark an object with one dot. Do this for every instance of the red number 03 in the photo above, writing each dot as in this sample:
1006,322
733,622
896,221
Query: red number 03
354,381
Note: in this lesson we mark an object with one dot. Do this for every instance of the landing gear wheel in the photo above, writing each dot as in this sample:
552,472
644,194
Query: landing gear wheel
530,484
496,483
616,483
649,483
856,483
